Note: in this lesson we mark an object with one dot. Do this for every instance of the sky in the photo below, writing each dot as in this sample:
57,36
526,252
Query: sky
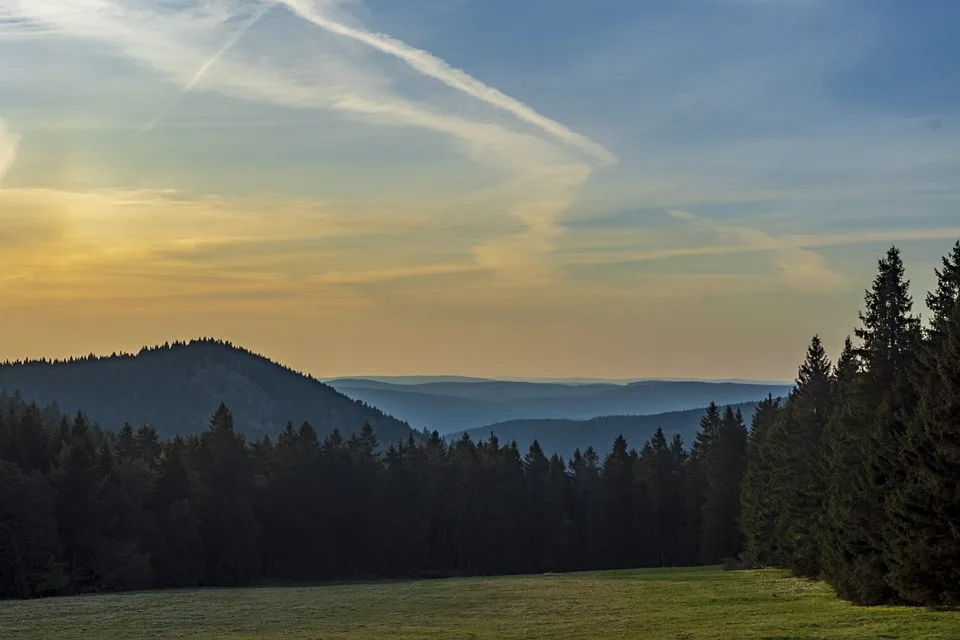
546,188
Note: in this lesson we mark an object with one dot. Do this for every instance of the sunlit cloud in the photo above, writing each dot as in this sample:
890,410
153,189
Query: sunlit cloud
196,45
9,142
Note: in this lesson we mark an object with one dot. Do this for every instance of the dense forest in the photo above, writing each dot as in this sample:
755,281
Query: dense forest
853,478
85,510
856,477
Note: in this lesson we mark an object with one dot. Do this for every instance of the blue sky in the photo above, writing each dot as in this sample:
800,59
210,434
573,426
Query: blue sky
548,187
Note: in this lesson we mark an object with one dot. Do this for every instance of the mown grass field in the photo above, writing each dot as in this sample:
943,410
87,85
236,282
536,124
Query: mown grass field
675,604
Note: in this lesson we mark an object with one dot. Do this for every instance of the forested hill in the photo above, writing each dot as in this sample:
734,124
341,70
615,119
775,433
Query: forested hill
176,388
563,437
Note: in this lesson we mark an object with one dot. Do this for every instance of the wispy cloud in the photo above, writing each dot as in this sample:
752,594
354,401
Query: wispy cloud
799,268
231,41
434,67
195,44
740,240
9,142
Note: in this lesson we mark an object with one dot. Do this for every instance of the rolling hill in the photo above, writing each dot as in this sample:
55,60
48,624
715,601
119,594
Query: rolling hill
450,405
565,436
176,388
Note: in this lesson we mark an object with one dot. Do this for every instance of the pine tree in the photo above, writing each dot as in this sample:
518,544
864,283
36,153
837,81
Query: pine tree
872,423
76,506
229,529
126,442
617,506
695,490
794,448
585,507
175,501
539,523
724,456
922,542
840,461
758,505
29,540
148,444
942,301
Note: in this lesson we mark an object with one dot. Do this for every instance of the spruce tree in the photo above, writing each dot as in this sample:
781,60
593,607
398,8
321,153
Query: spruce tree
922,542
758,506
696,478
617,504
126,442
795,447
942,301
873,420
725,460
229,529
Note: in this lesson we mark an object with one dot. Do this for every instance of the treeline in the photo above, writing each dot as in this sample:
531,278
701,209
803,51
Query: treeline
856,477
83,510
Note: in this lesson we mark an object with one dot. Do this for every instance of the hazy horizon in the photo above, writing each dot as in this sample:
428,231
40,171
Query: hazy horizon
555,189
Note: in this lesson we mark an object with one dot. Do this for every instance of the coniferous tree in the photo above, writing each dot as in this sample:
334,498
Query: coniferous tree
617,506
76,506
942,301
540,521
585,507
759,508
660,473
228,528
890,339
697,478
794,446
29,540
126,442
175,501
724,462
922,541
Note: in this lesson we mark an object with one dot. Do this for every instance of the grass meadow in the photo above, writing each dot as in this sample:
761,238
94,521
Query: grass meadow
661,604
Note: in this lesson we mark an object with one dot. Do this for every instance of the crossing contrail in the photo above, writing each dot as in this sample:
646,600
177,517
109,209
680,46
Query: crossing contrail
187,88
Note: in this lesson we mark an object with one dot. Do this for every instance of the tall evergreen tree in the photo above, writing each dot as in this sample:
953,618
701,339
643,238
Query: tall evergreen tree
922,541
874,422
617,506
794,446
942,301
228,529
759,507
724,462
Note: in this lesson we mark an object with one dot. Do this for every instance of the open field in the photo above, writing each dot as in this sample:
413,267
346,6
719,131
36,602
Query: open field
674,604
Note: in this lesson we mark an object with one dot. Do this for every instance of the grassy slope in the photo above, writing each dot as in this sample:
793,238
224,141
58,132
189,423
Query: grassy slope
687,604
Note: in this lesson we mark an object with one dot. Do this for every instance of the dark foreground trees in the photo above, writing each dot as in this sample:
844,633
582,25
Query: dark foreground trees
856,478
84,510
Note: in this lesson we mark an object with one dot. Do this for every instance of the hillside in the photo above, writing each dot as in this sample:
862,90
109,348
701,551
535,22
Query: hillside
176,388
450,406
565,436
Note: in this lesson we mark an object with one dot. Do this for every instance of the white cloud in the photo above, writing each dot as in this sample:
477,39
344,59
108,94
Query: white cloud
799,268
9,142
203,45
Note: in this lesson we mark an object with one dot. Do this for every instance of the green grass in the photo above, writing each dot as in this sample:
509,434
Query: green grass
674,604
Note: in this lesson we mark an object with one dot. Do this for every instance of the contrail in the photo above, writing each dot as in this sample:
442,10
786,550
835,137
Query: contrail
209,63
432,66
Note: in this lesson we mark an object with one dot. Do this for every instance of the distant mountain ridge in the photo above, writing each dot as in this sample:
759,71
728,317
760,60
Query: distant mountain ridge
565,436
454,405
177,387
422,379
